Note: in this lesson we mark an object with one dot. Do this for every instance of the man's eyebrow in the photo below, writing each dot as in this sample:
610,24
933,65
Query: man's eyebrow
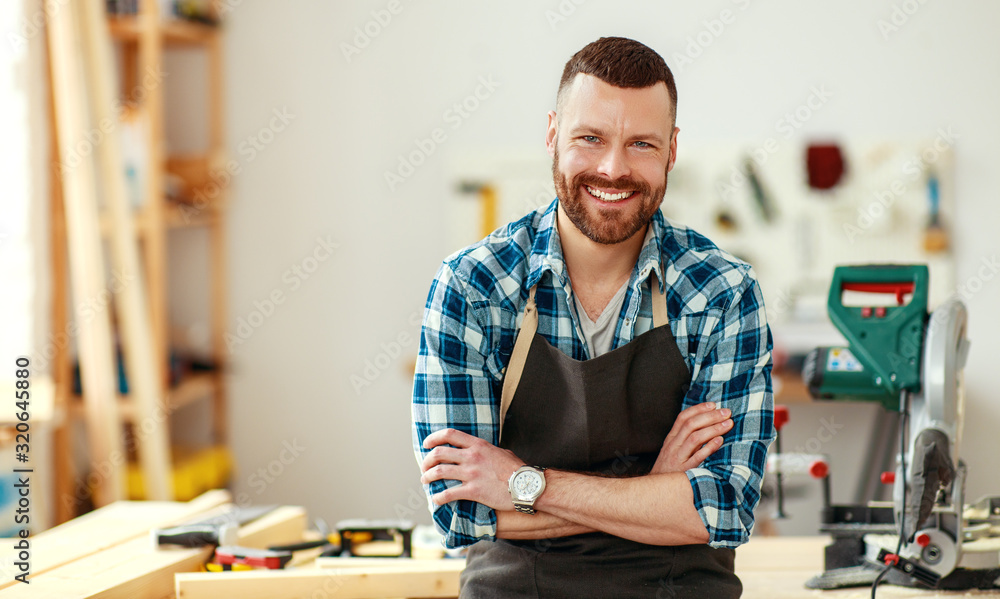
652,137
588,130
655,138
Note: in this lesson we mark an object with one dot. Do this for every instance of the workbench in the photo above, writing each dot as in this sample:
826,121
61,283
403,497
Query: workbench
108,554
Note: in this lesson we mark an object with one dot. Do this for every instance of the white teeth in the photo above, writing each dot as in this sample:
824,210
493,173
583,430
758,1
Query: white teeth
608,197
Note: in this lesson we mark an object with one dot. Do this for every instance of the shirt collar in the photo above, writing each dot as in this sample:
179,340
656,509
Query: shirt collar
546,252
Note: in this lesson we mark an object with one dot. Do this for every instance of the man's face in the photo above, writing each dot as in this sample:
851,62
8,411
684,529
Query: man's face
612,149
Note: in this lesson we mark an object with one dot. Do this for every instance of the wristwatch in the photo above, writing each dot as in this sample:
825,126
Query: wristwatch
526,485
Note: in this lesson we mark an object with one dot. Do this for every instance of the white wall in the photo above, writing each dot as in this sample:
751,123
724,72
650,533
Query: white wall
323,175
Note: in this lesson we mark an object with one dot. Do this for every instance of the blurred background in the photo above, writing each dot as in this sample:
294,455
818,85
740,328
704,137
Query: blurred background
299,169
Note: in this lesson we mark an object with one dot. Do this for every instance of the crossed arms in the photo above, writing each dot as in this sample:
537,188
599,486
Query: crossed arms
695,491
575,503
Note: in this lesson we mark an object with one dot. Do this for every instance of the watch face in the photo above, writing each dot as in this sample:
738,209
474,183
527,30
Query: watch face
527,484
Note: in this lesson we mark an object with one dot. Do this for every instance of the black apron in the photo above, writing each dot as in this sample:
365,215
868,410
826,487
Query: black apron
608,415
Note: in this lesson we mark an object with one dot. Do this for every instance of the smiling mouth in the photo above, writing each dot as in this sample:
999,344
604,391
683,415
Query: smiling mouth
609,197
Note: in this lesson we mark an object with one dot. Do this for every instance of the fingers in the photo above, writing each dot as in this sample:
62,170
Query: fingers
449,436
442,454
705,434
706,419
440,472
693,411
702,454
695,417
696,434
453,494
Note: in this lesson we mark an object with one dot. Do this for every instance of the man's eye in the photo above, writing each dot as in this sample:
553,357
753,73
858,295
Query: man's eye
590,139
643,144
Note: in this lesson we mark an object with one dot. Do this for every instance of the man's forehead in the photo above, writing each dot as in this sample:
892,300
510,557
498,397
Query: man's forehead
589,98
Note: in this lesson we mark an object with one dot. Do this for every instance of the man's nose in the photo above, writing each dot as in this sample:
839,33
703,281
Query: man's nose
614,164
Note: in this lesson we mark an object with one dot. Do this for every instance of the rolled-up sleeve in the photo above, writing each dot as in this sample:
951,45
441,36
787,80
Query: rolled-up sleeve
734,371
454,388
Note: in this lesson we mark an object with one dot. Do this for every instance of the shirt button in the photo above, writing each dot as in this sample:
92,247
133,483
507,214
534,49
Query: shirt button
628,321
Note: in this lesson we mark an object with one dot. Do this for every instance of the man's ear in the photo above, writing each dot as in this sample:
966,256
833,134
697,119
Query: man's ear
673,149
551,133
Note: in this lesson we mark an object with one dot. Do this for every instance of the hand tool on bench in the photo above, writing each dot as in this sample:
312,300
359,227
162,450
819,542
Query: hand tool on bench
330,542
221,529
356,532
228,555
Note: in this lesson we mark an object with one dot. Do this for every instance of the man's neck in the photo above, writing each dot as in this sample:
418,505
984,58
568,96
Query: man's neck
596,268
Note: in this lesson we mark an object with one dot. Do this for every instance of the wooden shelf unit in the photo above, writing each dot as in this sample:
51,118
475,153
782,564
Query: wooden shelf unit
142,40
191,389
174,32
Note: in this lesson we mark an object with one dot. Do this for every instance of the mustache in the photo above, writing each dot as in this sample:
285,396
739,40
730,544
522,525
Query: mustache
622,183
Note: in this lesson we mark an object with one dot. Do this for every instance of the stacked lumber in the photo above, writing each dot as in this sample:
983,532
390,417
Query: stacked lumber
109,553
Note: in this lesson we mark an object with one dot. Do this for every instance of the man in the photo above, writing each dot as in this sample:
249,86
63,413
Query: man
557,355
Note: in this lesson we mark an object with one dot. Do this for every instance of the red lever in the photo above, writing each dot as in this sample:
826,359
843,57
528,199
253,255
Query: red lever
888,478
780,417
923,539
898,289
819,469
891,559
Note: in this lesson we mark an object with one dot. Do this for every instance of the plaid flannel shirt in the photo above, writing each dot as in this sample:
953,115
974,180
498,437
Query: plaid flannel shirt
716,312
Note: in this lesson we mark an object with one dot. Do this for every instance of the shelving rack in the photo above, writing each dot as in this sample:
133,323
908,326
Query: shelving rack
142,40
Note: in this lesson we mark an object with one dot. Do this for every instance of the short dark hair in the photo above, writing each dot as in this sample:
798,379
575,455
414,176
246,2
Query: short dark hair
620,62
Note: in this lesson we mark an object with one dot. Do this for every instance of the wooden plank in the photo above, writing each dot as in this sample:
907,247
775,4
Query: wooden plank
763,554
145,391
217,236
377,562
778,568
791,585
771,568
150,57
220,417
64,471
283,526
133,570
137,569
97,365
406,580
110,526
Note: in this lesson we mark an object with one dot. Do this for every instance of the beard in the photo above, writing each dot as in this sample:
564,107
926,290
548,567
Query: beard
601,225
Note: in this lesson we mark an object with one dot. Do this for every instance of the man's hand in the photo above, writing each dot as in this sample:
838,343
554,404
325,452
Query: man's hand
481,467
696,434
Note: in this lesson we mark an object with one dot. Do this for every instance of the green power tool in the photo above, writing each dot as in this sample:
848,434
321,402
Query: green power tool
885,341
910,361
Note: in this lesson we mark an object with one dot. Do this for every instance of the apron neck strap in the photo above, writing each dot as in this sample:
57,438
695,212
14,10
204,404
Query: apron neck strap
659,302
515,366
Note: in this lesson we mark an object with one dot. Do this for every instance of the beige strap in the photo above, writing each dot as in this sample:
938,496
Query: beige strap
515,366
659,303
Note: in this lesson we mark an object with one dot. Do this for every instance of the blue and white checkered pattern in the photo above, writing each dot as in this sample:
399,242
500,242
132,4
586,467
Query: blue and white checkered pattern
716,312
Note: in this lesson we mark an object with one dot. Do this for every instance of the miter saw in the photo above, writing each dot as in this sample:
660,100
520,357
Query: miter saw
910,361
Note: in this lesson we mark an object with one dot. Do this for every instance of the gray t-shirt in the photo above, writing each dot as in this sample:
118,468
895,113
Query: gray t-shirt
599,335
